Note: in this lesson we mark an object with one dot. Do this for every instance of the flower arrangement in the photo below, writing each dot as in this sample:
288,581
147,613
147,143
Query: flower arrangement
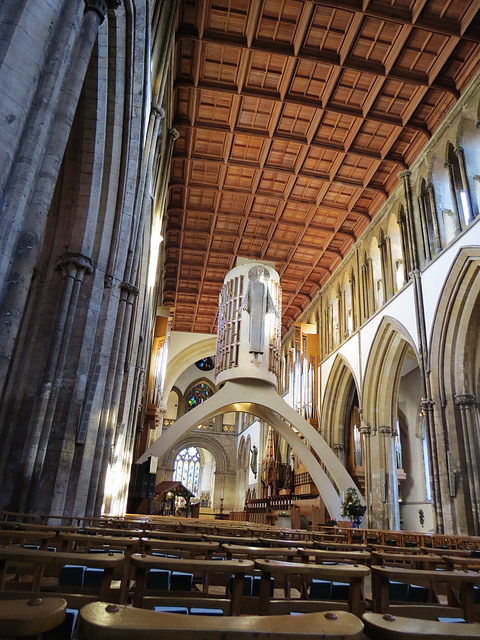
350,503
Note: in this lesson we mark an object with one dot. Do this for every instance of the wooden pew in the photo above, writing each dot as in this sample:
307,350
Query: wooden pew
36,572
30,616
252,553
100,621
281,542
302,574
243,540
389,627
407,560
459,589
182,548
10,537
82,543
205,573
321,556
340,546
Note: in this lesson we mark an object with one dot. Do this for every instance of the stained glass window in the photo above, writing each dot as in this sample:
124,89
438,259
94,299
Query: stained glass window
187,469
205,364
199,393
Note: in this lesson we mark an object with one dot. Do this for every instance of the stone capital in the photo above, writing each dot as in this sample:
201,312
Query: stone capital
365,430
338,446
387,431
173,133
404,175
101,6
427,404
464,400
75,261
447,165
131,289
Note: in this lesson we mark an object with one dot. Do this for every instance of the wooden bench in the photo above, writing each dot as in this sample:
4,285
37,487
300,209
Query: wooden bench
389,627
206,573
459,593
252,553
407,560
100,621
30,617
243,540
37,573
320,556
282,542
181,548
302,574
10,537
340,546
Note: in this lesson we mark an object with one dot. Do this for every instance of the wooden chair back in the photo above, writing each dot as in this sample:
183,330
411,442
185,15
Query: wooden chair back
30,617
205,573
389,627
100,621
28,571
301,575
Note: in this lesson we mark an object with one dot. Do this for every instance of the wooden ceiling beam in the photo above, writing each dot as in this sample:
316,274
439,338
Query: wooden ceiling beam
264,94
316,144
359,184
328,208
341,61
390,13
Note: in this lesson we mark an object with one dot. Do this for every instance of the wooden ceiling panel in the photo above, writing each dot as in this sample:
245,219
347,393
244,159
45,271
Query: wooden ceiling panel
213,107
353,88
247,148
230,18
265,71
295,118
256,113
219,63
279,21
328,28
375,40
295,121
284,154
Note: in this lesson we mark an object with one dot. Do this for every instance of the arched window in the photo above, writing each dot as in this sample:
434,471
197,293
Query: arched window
378,285
187,469
198,393
396,250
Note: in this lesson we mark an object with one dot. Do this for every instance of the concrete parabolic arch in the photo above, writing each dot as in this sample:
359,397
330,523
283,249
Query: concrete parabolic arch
261,400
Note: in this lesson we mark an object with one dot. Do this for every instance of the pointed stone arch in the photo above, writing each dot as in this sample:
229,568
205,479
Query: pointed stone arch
185,358
385,357
222,459
455,384
380,405
340,383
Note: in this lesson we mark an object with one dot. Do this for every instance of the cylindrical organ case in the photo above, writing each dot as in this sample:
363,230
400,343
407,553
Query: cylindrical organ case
249,325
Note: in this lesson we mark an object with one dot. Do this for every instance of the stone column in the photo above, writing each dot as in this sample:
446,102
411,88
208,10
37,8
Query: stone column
366,431
451,179
393,507
412,241
339,449
37,208
437,238
437,511
424,222
74,268
115,433
467,404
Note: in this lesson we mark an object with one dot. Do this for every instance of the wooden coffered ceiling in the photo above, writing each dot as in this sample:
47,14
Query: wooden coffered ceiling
295,118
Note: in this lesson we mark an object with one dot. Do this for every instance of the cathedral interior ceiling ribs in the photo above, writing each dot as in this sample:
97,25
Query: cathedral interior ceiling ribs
295,118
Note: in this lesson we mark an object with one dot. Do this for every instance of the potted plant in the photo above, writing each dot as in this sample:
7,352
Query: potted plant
352,507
